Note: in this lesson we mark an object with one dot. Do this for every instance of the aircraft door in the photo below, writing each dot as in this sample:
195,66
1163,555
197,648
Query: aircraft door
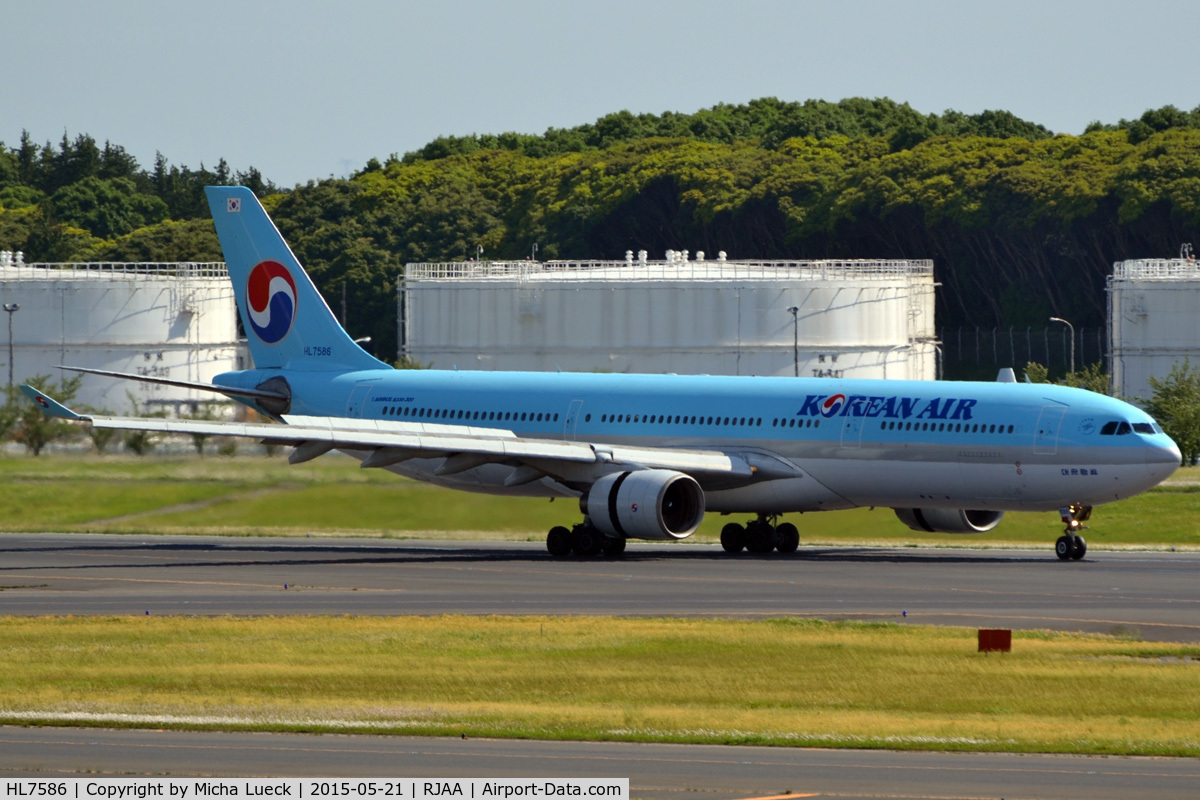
1045,440
572,420
358,399
852,430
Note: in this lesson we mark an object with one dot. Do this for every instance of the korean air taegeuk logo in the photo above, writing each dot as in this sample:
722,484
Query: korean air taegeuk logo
271,301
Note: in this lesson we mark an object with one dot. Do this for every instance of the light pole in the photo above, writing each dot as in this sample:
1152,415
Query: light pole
1072,329
11,308
794,310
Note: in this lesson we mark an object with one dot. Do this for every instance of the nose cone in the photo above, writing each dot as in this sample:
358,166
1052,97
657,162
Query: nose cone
1162,459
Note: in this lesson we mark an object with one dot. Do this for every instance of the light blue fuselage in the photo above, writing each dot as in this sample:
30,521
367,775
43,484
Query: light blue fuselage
998,446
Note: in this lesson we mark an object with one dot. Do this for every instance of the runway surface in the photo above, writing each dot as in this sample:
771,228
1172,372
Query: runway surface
654,770
1151,595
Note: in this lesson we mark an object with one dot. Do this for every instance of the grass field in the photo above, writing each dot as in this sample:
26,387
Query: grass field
265,496
781,682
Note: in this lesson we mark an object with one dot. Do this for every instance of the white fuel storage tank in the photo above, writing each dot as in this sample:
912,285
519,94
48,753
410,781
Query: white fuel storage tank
853,318
1152,320
175,320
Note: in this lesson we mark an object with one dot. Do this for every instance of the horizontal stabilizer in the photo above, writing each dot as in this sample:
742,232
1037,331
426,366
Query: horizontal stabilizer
228,391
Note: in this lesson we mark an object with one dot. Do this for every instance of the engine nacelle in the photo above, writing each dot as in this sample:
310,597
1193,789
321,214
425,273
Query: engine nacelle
646,504
949,520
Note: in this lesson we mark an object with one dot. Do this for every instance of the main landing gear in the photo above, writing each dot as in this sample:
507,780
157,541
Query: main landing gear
583,539
1071,545
760,536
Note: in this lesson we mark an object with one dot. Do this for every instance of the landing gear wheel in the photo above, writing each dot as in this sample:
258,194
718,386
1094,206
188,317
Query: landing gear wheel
733,538
559,542
760,537
787,538
587,540
1063,548
613,548
1080,548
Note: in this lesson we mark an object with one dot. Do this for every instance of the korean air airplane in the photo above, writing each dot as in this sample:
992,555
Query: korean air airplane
647,455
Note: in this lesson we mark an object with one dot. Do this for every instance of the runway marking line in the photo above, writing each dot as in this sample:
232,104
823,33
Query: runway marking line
70,578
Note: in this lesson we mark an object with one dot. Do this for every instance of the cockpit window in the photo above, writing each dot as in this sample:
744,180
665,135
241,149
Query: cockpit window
1109,428
1143,427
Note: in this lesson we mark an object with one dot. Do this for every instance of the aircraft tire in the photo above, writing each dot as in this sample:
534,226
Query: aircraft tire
1080,548
559,542
787,538
733,538
613,547
760,537
587,541
1062,547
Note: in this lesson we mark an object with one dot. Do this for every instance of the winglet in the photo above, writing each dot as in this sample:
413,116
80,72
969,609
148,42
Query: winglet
48,404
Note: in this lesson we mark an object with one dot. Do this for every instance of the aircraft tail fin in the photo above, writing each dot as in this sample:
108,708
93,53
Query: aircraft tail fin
288,324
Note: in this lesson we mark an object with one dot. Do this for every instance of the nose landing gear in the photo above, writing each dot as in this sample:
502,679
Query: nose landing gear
1071,545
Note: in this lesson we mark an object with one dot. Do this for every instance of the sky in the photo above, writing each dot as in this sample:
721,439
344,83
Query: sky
307,89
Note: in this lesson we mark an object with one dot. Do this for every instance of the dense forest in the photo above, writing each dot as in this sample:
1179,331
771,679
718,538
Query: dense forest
1022,224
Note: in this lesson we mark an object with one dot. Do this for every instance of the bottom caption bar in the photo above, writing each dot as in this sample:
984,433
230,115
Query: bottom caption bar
316,788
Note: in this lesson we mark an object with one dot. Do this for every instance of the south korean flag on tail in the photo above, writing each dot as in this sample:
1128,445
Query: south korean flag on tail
233,205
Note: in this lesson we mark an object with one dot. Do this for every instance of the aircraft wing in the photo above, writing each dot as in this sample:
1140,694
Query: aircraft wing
381,443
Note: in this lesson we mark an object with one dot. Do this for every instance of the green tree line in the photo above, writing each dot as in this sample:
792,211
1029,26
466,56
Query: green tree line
82,201
1022,224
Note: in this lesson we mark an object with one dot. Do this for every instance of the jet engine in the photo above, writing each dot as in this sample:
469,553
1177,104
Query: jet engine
949,520
646,504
